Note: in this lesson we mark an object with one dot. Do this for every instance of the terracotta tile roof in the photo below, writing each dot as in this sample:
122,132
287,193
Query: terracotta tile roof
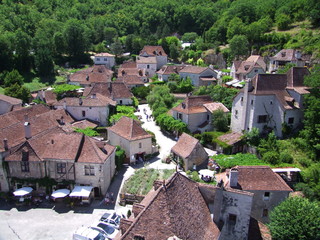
97,100
208,79
216,106
269,82
153,51
104,55
50,97
129,64
185,145
95,74
16,153
91,153
176,209
120,90
11,100
132,71
18,115
15,133
170,69
83,124
231,138
261,178
193,69
246,67
130,80
129,129
257,59
285,55
295,77
193,104
112,90
145,60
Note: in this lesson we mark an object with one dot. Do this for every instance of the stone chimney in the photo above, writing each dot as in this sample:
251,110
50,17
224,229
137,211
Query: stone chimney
247,89
27,130
93,96
64,105
5,144
297,55
80,101
233,179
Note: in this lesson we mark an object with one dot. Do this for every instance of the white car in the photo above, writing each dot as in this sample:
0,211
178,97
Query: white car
86,233
106,229
112,219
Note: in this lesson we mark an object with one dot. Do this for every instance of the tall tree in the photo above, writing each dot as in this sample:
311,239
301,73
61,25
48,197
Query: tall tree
295,218
239,45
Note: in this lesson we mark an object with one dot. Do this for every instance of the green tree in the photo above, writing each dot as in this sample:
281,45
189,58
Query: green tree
239,45
116,47
220,121
189,37
283,21
18,91
253,137
295,218
173,51
12,78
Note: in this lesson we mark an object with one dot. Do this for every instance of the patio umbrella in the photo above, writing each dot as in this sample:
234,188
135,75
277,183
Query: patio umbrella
60,193
22,191
206,172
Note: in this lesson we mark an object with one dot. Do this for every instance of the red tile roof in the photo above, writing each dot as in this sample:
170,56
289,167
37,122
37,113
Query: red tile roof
112,90
261,178
129,64
231,138
95,74
153,51
11,100
193,104
146,60
170,69
129,129
216,106
185,145
104,55
285,55
97,100
83,124
193,69
130,80
176,209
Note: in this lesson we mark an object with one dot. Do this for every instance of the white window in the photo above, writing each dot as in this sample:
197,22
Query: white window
61,167
98,59
89,170
105,59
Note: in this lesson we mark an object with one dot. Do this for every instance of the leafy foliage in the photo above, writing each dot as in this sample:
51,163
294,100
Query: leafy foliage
63,89
87,131
239,159
220,121
295,218
120,157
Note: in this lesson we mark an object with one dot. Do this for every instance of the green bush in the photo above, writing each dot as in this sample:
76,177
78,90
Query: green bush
305,162
285,157
120,156
87,131
271,157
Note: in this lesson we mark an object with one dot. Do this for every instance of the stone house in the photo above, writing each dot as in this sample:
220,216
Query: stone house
62,156
129,135
196,112
7,104
286,56
190,151
252,66
200,76
269,101
117,91
157,52
95,107
130,69
47,96
148,64
269,188
87,77
234,142
180,208
166,70
106,59
17,126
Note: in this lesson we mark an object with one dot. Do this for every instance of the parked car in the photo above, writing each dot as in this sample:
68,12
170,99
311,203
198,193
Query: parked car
106,229
87,233
112,219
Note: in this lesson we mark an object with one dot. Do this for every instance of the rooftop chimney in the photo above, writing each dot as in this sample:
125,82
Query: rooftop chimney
5,144
157,184
233,179
87,77
93,96
26,118
80,101
64,105
27,130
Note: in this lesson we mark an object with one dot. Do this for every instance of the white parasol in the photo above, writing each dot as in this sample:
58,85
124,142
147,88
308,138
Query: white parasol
22,191
60,193
206,172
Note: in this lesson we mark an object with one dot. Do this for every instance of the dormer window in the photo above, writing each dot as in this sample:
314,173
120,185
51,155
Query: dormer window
283,54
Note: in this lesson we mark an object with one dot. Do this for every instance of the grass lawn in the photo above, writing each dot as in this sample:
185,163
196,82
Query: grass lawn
142,180
35,85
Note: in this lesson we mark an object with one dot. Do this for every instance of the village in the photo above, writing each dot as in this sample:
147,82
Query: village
50,158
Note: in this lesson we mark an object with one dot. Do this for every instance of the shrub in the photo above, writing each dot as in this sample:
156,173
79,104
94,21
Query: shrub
285,157
227,161
271,157
87,131
305,162
120,156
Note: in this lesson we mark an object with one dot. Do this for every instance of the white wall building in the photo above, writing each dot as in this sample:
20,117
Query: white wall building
106,59
270,100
